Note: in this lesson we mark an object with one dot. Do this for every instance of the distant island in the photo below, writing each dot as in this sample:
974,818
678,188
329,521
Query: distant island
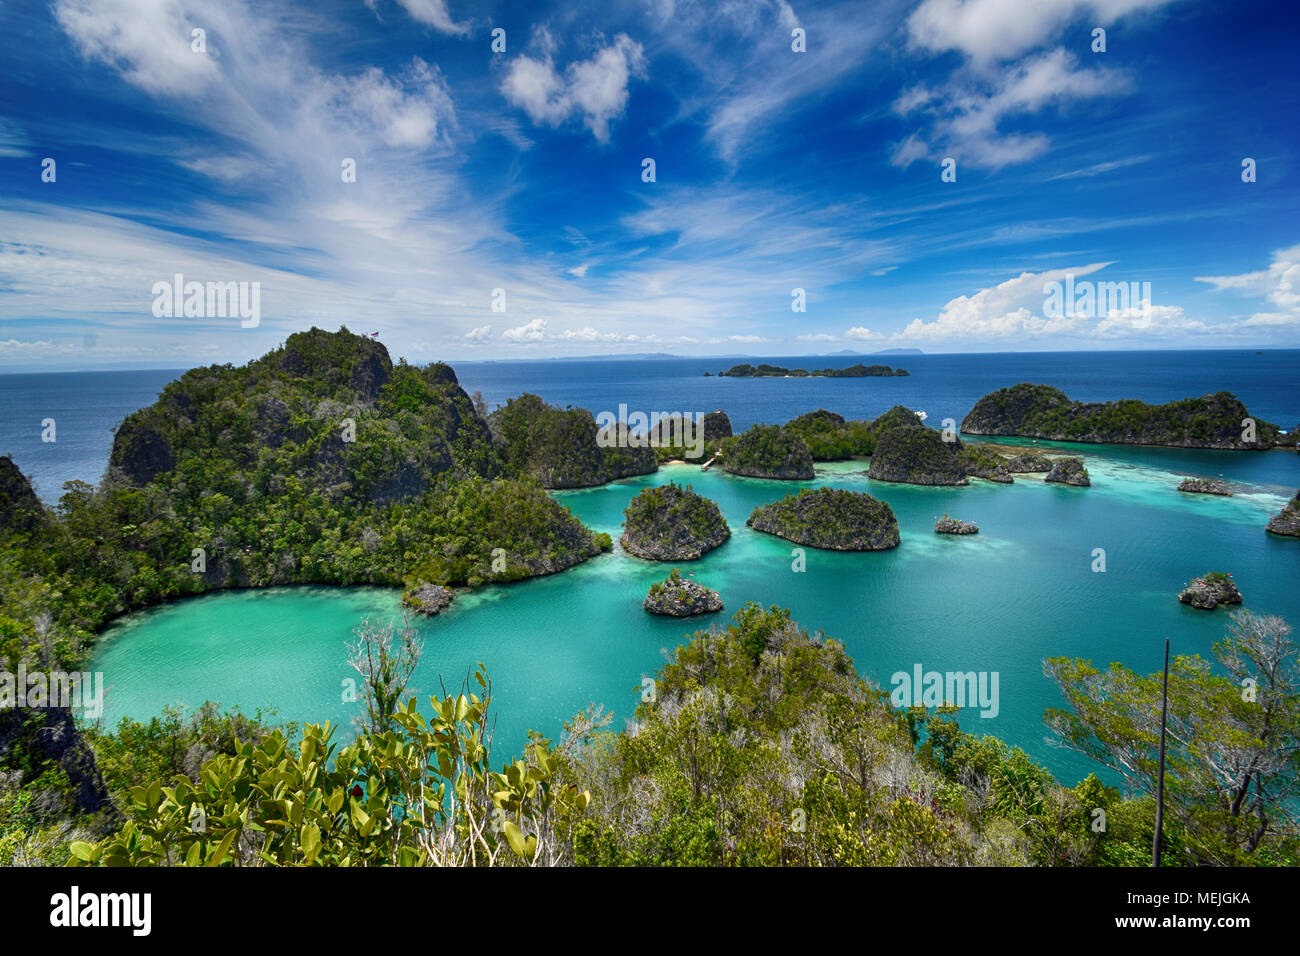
763,370
1217,421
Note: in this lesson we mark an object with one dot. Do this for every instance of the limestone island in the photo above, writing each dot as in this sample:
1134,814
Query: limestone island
1205,486
326,462
671,444
1210,590
745,370
1287,521
946,525
1040,411
677,596
672,523
768,451
912,453
1069,471
831,519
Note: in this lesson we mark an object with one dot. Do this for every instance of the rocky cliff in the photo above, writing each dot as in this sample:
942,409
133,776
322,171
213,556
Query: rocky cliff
20,509
1287,521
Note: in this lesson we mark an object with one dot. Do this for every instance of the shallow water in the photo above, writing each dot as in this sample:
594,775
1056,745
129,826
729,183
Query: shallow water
1021,590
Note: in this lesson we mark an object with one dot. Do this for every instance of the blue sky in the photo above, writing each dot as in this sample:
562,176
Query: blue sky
522,171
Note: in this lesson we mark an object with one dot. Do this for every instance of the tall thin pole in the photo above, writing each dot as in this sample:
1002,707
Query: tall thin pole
1160,777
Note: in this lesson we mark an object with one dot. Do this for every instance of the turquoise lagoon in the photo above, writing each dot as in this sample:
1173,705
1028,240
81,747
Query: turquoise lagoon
1021,590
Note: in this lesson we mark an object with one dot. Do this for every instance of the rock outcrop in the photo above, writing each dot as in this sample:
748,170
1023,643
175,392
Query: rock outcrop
1205,486
34,740
1210,590
429,599
1287,521
1068,471
672,523
677,596
20,509
986,464
1028,463
140,452
946,525
768,451
717,426
1040,411
831,519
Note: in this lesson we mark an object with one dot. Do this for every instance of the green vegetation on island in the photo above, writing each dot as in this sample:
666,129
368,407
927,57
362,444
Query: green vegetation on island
830,518
1219,420
830,438
768,451
917,455
560,447
672,523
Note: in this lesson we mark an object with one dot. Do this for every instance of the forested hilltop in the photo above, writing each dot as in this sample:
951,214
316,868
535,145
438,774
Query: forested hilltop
321,462
1219,420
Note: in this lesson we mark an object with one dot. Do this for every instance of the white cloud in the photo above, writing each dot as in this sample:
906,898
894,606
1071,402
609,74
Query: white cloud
579,271
480,334
747,338
1006,309
989,30
1279,284
862,332
816,337
434,13
534,331
149,41
967,112
596,88
1099,168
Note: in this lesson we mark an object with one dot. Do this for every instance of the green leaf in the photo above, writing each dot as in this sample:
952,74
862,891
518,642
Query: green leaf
524,848
222,849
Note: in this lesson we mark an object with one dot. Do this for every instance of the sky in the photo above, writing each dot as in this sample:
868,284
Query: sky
471,180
